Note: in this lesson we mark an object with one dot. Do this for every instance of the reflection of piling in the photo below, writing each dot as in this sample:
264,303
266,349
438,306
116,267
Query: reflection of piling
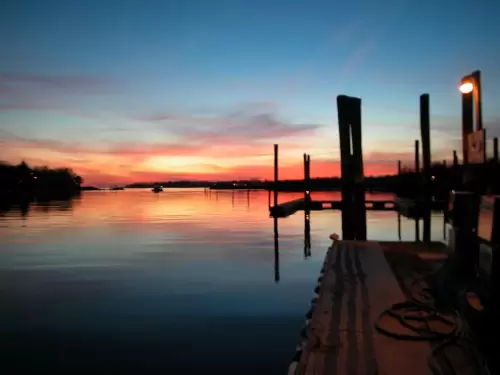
399,226
276,252
248,198
353,192
426,159
275,174
307,232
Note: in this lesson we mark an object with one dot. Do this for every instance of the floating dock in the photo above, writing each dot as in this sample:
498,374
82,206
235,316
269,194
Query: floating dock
355,286
407,207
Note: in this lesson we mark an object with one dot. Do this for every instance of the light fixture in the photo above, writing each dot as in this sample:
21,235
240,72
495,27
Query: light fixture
466,87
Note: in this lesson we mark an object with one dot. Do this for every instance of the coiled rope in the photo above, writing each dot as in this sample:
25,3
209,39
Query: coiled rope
420,315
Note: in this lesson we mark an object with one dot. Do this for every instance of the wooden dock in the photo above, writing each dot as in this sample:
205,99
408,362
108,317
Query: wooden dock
407,207
355,285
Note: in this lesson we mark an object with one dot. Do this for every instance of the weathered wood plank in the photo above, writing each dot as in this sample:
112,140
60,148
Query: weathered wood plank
357,285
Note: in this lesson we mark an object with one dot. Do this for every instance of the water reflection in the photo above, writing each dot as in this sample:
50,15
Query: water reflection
276,251
307,233
159,275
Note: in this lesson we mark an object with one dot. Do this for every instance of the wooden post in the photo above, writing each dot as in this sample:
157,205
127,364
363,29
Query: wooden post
495,149
417,157
353,192
399,167
477,99
444,163
467,124
455,158
275,175
426,159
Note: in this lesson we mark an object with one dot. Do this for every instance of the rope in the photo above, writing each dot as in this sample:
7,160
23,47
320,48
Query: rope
418,315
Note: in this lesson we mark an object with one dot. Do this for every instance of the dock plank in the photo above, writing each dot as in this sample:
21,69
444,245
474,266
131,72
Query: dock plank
357,285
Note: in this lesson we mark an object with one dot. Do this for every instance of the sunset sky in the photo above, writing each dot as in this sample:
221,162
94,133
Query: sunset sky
134,90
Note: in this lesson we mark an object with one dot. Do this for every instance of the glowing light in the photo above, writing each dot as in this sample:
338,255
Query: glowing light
466,87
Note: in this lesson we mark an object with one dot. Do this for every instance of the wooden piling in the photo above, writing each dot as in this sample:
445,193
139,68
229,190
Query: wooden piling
275,174
399,167
353,192
426,159
467,124
495,149
417,157
455,158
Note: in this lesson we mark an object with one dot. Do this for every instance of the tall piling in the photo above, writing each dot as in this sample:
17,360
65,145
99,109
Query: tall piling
495,149
275,174
426,160
351,158
417,157
467,124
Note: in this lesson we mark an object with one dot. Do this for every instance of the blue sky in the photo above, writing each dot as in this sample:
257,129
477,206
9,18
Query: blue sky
109,74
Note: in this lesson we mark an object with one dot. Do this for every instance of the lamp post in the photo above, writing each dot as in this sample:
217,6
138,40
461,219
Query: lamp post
470,87
472,84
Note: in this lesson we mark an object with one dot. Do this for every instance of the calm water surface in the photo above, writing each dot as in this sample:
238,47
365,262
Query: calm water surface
177,282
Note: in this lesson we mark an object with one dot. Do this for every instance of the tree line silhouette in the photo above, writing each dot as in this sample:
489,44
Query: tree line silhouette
23,183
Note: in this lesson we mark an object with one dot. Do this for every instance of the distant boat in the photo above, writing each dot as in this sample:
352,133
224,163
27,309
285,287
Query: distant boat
157,188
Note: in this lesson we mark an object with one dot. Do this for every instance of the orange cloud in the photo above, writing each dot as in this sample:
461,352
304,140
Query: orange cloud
127,163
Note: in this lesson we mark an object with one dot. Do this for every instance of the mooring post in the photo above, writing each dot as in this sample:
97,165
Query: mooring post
444,163
306,179
417,171
417,157
399,167
467,124
351,159
495,149
275,174
455,158
426,159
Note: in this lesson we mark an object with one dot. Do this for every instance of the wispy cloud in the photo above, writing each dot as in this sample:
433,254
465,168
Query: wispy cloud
49,92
